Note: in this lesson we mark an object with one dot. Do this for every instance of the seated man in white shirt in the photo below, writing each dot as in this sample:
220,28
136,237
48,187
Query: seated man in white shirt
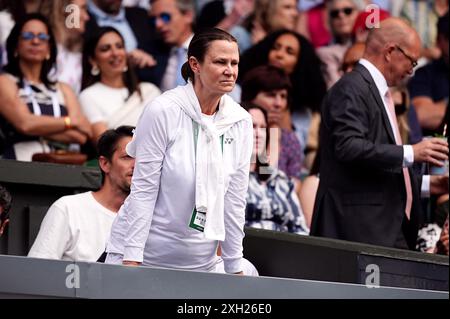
76,227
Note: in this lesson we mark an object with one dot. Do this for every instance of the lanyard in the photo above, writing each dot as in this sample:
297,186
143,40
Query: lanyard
36,108
196,128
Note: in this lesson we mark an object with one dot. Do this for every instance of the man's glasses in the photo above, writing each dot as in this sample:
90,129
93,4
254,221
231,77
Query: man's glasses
335,13
413,62
28,36
165,18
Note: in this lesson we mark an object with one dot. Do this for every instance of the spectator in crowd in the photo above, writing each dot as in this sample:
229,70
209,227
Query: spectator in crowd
269,16
68,21
342,15
134,26
269,87
12,11
112,95
313,24
429,88
296,56
34,111
363,163
308,191
224,14
144,4
173,21
5,206
442,244
423,16
272,201
361,27
181,207
76,227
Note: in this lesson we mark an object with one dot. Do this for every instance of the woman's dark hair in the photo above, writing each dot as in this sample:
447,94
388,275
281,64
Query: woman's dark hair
107,143
129,76
252,106
200,44
15,8
264,78
308,84
12,42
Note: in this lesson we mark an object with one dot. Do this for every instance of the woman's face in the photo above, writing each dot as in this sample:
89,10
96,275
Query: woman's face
259,131
110,55
285,53
276,100
33,45
218,72
286,14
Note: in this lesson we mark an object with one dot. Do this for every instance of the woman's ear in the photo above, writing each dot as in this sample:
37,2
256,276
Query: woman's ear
92,62
194,64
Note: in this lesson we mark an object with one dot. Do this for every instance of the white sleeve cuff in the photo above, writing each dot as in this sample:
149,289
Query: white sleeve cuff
133,254
232,266
425,188
408,156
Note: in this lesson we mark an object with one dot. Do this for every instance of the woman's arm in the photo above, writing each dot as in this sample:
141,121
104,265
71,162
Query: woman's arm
150,140
235,202
78,119
15,111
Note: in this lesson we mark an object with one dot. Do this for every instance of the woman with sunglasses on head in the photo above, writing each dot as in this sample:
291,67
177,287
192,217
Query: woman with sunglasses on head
36,114
192,147
112,95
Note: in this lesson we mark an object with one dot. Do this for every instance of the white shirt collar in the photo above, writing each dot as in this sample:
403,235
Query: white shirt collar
377,76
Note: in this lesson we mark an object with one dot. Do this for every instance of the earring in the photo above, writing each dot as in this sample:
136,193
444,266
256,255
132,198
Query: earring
95,70
125,69
16,54
47,57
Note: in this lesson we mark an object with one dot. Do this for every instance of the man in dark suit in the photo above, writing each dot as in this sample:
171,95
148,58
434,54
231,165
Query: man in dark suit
367,192
173,22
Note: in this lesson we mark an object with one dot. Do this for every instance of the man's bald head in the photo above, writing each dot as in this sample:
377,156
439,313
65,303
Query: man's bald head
391,30
394,49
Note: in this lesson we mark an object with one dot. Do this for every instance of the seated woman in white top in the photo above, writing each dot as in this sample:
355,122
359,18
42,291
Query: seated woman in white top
111,94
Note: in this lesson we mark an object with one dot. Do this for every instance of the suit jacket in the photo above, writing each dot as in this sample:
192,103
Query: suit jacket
147,41
361,195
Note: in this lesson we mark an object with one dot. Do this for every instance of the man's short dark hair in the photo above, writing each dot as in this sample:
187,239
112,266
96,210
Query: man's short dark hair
5,203
107,143
442,25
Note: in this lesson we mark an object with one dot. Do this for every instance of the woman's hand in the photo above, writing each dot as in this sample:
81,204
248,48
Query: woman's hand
131,263
141,59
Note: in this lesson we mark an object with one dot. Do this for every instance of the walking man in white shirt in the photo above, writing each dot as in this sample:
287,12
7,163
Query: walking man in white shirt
76,227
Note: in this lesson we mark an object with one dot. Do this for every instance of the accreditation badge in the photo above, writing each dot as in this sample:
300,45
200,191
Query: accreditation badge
198,220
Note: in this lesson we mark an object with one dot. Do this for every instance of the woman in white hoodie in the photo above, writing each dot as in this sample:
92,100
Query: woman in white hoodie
192,147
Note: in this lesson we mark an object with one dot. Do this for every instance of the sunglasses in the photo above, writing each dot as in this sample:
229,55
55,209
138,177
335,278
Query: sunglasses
413,62
335,13
164,16
30,36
